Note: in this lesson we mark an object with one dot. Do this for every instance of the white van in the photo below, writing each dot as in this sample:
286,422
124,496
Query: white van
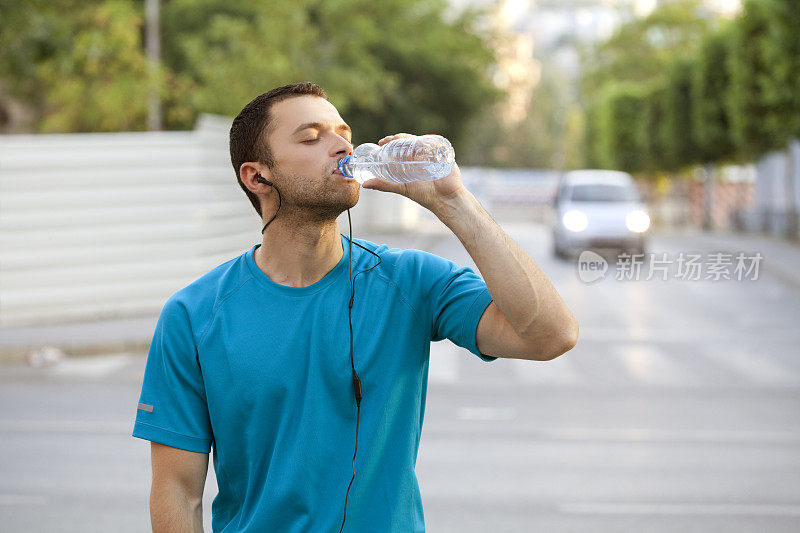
599,210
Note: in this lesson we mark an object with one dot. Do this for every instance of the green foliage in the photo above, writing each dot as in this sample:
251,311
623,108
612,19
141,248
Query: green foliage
641,50
622,128
640,53
78,65
228,53
591,141
389,66
747,102
782,54
425,75
655,104
710,121
716,92
102,84
678,142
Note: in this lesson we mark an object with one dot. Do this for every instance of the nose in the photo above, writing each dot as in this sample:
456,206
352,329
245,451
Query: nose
342,146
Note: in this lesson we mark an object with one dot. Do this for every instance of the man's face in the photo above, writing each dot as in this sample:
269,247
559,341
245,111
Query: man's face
307,143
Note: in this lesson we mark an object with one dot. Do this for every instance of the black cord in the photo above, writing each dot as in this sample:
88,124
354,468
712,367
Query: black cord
276,211
356,380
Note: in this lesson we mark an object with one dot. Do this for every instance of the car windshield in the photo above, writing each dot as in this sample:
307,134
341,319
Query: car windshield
603,193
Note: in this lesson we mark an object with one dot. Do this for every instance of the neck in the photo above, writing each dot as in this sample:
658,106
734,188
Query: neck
299,255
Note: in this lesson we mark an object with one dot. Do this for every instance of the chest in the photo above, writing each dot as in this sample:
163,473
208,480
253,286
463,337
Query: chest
290,355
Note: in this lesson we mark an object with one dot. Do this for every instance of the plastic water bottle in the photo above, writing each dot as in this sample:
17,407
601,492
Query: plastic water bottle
417,158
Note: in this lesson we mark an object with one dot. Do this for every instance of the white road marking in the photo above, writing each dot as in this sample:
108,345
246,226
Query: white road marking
646,364
680,509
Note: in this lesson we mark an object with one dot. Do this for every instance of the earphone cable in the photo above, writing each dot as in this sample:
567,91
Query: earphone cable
276,211
356,380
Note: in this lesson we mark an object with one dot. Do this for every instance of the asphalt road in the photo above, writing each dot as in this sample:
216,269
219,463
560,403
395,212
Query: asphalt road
679,410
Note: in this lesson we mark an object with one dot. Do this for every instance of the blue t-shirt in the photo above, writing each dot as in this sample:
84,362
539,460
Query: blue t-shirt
261,372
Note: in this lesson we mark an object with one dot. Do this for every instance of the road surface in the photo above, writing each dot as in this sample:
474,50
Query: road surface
679,410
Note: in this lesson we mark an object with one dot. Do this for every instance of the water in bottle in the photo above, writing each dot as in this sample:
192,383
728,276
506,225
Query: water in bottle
417,158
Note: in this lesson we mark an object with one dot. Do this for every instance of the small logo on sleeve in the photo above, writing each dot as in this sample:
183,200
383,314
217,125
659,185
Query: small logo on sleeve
145,407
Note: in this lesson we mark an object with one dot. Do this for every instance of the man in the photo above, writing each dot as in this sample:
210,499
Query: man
252,358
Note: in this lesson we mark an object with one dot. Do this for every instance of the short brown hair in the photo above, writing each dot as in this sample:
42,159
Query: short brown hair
250,128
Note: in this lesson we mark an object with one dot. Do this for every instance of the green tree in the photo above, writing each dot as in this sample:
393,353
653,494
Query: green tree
78,65
591,139
747,102
389,66
438,71
394,65
226,53
781,88
710,121
101,84
640,51
622,128
679,144
782,92
33,33
655,104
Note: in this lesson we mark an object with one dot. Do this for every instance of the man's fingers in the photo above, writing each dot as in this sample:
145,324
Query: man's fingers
377,184
390,138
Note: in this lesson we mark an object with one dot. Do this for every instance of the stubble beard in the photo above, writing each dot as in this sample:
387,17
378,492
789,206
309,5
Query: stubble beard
317,201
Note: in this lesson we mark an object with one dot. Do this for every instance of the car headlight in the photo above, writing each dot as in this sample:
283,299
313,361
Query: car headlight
637,221
575,220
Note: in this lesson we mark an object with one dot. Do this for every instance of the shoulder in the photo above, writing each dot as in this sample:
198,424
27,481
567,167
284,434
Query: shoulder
196,302
391,259
409,269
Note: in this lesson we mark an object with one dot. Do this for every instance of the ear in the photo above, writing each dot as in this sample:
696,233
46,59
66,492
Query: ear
249,173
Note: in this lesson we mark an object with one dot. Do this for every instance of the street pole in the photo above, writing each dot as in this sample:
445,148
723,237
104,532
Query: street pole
153,49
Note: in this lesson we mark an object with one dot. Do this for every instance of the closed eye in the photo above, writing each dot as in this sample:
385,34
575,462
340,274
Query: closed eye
311,141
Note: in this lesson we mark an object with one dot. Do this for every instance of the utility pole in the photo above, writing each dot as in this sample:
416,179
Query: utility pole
153,49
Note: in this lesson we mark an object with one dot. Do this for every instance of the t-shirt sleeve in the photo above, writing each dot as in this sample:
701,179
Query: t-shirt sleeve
172,406
457,298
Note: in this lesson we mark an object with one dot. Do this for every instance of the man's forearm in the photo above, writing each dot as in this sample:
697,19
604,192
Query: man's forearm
172,511
517,285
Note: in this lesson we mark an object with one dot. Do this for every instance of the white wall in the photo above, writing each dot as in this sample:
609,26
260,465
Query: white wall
106,225
109,225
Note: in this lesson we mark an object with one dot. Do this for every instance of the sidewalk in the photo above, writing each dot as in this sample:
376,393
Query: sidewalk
97,337
781,257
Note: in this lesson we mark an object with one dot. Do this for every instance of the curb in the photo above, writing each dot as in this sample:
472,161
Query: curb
18,354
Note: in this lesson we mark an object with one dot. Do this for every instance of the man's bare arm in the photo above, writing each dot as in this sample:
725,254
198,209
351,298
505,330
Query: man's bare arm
176,494
531,320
